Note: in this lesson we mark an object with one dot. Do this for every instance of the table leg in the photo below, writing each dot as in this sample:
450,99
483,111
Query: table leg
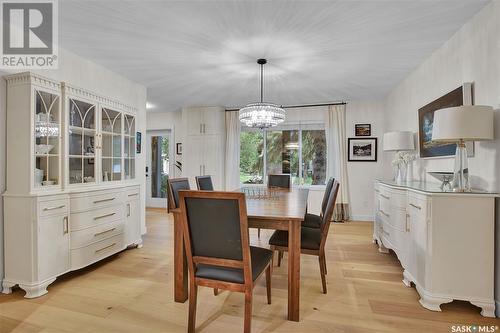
180,265
293,270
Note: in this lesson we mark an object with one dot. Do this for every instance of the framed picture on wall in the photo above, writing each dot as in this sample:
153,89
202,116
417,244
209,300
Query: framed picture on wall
362,149
363,130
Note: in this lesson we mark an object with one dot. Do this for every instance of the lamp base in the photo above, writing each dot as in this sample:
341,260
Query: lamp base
461,171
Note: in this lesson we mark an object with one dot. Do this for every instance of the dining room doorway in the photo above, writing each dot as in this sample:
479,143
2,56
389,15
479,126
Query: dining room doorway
159,167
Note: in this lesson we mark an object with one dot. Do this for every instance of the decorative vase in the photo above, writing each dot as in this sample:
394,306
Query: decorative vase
401,178
409,172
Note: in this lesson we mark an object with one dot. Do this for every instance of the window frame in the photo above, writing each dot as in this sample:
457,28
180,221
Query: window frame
287,127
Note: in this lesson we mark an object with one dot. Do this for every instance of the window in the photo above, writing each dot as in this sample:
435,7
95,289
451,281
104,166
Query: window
299,151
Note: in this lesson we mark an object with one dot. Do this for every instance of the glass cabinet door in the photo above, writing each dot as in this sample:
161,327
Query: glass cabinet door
129,146
81,141
47,145
111,132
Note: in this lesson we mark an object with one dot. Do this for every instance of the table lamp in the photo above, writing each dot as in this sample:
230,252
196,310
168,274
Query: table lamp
399,141
458,125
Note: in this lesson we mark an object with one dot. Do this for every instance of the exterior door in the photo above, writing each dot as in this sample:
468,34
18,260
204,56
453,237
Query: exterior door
159,166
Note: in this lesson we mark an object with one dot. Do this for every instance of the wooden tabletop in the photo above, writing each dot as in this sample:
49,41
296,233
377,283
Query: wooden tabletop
281,205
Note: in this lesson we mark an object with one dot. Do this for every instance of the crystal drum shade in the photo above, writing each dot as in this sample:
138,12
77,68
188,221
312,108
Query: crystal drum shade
262,115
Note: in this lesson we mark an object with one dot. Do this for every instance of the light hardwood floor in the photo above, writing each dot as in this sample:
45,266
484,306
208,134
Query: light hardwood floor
132,292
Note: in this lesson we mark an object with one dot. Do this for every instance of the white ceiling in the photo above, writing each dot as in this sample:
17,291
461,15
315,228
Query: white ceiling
204,53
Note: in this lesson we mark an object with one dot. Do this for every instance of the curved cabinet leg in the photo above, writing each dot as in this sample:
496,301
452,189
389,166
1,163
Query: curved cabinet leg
7,287
382,248
406,279
487,308
37,290
433,303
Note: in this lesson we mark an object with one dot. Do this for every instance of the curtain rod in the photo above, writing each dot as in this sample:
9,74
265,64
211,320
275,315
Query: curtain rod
299,106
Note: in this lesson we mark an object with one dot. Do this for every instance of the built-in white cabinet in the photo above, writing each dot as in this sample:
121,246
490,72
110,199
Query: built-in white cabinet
71,196
204,144
444,241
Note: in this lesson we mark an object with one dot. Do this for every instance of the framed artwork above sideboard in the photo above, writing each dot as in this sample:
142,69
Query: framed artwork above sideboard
428,149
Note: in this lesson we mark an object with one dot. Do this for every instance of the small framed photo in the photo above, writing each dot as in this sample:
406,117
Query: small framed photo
138,142
362,149
178,148
363,129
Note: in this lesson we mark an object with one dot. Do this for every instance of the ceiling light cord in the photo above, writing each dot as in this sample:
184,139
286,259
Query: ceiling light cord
261,83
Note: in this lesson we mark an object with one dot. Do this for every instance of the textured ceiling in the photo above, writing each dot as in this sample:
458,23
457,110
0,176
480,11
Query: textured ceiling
204,53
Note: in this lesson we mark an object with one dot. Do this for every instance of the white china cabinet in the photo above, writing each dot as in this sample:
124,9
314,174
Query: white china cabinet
71,196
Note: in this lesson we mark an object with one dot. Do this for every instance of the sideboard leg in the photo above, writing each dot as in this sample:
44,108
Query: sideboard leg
487,308
7,287
433,303
35,291
406,279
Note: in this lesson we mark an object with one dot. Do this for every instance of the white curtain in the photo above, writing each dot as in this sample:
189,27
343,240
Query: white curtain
336,162
233,129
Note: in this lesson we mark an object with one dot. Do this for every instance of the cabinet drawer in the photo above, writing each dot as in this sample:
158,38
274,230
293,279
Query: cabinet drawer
53,207
398,199
88,236
96,217
417,206
96,199
87,255
132,193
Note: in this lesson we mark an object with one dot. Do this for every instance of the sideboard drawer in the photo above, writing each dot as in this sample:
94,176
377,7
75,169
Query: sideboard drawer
98,199
88,236
398,199
87,255
53,207
96,217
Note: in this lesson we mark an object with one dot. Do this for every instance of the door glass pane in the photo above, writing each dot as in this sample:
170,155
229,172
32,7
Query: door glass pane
314,157
282,152
129,146
106,169
160,165
251,157
75,170
47,127
88,170
117,169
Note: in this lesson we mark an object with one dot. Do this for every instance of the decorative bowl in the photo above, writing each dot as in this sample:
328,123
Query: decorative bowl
43,149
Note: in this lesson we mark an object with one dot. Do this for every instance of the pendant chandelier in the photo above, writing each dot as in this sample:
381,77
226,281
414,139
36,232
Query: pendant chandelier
262,115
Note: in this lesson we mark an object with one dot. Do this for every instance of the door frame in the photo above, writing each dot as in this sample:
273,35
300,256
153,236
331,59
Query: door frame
158,202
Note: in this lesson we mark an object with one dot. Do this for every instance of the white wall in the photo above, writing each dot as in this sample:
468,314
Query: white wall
471,55
171,121
85,74
362,174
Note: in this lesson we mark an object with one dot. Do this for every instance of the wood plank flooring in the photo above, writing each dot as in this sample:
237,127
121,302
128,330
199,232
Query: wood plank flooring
132,292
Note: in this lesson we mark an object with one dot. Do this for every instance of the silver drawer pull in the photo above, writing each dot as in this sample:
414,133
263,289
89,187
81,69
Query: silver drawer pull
104,232
105,248
104,200
103,216
380,210
133,194
385,196
377,191
53,208
415,206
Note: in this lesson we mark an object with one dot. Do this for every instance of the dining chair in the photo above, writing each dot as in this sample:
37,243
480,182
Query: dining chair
312,240
277,181
204,183
313,220
222,260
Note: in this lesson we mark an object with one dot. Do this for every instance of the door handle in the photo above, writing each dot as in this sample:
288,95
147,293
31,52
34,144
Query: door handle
53,208
103,216
65,225
204,128
128,210
407,222
415,206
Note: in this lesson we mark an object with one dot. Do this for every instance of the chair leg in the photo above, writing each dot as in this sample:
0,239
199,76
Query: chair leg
193,291
248,312
324,264
321,260
280,255
216,291
258,232
268,281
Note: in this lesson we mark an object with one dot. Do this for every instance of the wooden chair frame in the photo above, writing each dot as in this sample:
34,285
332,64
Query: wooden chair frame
245,264
197,179
324,234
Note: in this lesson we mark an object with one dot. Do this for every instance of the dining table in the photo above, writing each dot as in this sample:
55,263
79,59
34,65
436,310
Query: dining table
276,209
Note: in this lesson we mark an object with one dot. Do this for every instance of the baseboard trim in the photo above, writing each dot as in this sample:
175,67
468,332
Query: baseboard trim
367,218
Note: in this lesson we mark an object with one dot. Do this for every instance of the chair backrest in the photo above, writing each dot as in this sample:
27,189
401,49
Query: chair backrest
281,181
328,189
327,217
204,183
216,230
174,186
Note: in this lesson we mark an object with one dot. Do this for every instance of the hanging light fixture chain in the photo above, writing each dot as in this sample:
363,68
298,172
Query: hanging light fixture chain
261,83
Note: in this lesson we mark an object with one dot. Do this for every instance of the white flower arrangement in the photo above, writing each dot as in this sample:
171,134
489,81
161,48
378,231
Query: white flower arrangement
403,158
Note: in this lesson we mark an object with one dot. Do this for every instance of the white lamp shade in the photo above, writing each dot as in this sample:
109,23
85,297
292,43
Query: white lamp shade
402,140
467,122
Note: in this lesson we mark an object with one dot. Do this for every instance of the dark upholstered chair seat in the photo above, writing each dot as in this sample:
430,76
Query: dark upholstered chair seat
260,258
309,238
312,221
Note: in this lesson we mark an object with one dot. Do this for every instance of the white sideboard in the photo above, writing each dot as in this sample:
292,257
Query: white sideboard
72,197
444,241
